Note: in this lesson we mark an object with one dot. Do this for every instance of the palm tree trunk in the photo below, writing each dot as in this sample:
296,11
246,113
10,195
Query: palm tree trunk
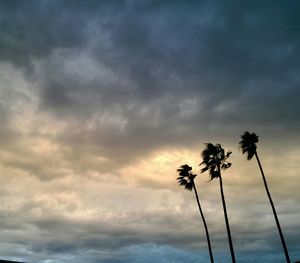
205,225
226,218
274,211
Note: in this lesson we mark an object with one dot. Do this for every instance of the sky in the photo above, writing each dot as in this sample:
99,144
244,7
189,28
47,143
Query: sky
101,102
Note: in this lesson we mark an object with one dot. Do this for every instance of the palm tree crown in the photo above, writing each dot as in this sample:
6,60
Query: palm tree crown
248,144
214,157
186,177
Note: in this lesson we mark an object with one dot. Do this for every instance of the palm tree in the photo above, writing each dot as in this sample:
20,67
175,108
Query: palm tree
248,146
186,179
214,160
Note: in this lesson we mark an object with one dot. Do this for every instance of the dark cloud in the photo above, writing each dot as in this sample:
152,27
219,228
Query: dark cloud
164,68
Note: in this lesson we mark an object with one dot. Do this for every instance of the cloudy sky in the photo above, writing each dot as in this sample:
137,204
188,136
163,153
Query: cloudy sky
101,101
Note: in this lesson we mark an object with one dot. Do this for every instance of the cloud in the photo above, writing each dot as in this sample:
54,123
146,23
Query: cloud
101,102
132,87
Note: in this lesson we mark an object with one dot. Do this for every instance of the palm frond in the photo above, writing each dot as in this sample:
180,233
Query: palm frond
182,181
204,169
189,186
214,174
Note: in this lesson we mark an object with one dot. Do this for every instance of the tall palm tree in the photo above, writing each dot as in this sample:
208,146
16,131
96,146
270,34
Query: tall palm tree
248,146
186,179
214,160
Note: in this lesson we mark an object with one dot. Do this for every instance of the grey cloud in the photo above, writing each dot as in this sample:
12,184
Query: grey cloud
55,235
161,75
31,30
220,72
60,237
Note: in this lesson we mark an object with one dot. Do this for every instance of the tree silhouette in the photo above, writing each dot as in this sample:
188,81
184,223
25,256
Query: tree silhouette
214,160
186,179
248,146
